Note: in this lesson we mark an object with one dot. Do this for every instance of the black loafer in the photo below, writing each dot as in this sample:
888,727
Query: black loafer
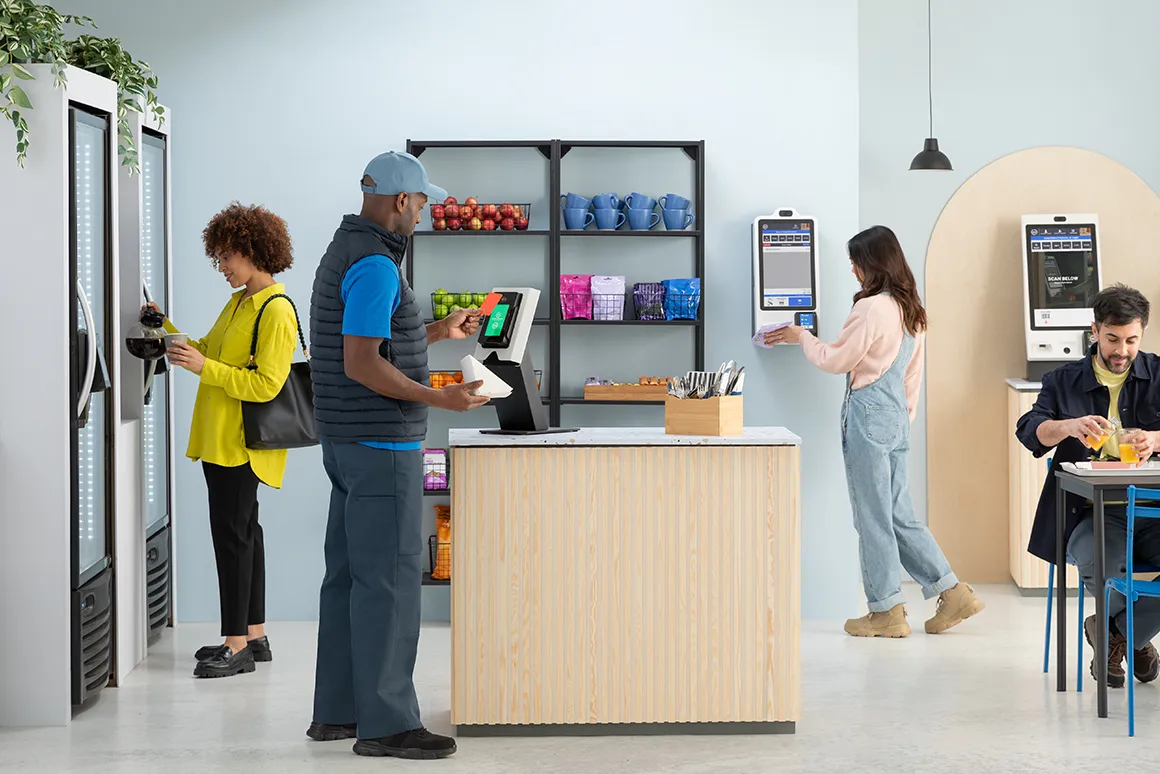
419,744
225,663
260,647
329,732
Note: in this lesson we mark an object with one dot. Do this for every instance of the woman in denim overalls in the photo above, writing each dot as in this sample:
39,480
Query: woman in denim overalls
880,351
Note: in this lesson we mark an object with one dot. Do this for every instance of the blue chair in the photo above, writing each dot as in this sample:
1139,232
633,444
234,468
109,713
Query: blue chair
1131,588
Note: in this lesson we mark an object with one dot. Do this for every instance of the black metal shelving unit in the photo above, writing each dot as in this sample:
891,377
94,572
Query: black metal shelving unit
556,151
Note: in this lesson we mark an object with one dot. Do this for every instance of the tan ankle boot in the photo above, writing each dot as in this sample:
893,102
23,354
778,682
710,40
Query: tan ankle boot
954,606
892,623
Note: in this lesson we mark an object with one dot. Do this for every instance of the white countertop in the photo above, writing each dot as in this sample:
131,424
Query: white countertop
1022,385
626,436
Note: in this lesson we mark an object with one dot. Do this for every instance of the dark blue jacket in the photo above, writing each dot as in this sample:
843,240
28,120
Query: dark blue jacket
1069,392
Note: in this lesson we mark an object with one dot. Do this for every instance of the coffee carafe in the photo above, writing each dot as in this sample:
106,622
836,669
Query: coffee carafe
146,339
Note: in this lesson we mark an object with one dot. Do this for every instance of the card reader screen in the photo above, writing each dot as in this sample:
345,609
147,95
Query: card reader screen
787,264
496,320
1062,273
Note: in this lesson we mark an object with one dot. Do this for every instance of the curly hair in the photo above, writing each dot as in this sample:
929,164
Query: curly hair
253,231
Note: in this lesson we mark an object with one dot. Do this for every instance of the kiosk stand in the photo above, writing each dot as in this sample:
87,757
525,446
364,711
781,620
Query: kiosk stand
1061,278
785,270
502,349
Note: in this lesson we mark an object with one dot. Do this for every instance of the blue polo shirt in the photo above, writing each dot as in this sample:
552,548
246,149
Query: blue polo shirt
370,295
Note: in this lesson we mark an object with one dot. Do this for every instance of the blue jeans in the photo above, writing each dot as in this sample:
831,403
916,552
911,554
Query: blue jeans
875,444
369,611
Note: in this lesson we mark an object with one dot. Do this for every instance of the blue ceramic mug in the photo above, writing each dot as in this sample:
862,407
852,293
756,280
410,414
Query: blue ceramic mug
606,201
577,217
638,201
609,220
574,202
674,202
642,220
677,220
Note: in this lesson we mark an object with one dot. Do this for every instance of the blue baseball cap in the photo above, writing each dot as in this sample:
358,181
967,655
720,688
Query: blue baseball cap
395,173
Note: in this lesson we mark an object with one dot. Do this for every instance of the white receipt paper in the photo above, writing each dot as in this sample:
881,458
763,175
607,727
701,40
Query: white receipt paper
759,337
493,386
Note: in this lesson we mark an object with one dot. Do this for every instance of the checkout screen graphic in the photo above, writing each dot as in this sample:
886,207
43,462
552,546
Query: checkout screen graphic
787,265
1062,272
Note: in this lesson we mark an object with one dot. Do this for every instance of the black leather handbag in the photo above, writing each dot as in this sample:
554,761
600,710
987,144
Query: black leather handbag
287,421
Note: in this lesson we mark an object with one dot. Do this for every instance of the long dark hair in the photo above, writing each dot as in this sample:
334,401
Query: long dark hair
878,256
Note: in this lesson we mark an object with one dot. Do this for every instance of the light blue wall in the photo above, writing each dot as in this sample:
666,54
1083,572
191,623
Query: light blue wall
1007,76
282,103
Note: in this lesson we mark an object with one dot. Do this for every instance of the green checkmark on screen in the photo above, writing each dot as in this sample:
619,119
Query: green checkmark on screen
496,321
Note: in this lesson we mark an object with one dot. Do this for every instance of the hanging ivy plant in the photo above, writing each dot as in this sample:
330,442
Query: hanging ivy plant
31,33
135,83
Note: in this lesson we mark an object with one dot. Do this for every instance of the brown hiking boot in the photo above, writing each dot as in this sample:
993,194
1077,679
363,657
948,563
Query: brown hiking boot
1146,664
954,606
892,624
1117,651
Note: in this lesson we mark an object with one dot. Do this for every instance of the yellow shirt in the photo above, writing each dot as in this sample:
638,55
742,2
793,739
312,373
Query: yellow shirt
1114,382
216,434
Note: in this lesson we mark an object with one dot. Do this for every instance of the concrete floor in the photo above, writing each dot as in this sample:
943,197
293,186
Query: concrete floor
975,700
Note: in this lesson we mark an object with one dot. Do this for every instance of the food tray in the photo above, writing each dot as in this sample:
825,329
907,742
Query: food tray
1150,468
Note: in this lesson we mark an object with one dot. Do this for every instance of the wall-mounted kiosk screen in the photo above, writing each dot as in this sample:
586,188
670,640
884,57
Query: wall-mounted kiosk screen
787,265
1063,272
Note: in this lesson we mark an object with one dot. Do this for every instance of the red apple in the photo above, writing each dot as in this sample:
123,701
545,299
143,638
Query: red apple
517,211
439,224
438,211
507,211
451,210
471,201
507,224
521,224
467,212
475,224
488,224
450,200
490,211
454,224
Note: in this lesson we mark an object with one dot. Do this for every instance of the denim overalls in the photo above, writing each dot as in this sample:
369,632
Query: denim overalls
875,442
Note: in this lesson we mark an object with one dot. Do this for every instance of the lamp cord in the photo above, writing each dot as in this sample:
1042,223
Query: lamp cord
929,78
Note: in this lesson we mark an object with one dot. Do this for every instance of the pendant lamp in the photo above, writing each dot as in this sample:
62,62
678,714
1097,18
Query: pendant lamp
930,157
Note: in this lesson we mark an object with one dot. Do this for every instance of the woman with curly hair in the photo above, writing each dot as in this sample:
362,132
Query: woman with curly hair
248,245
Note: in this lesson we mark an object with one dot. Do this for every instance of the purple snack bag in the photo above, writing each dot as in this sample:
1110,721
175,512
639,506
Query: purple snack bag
649,300
576,296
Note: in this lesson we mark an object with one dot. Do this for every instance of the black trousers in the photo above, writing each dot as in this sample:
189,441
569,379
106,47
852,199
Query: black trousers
238,546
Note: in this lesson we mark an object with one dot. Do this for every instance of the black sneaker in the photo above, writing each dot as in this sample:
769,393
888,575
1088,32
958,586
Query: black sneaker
1117,652
225,663
328,732
419,744
1146,664
260,647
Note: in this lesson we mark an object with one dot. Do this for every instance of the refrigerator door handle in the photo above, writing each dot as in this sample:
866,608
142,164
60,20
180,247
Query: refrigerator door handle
148,295
91,362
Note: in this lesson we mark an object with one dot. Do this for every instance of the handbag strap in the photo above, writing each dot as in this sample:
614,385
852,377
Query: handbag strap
254,339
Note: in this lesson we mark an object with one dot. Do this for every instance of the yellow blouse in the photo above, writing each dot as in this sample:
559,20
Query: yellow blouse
216,434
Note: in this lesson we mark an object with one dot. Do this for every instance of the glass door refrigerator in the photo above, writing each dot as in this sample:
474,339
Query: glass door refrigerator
90,250
156,474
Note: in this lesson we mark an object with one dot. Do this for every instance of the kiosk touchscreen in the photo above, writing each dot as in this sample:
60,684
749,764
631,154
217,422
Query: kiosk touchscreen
1061,277
785,270
502,361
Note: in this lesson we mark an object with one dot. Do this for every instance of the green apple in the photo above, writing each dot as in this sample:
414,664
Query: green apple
480,298
465,299
441,311
454,308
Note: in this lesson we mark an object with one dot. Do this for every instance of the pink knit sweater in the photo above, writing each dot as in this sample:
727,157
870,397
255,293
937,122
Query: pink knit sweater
868,345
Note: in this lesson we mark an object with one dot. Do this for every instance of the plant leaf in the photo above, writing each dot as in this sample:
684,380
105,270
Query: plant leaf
3,58
21,73
5,81
19,97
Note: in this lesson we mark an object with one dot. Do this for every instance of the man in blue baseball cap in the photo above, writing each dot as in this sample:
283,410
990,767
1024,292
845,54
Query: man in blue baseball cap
372,390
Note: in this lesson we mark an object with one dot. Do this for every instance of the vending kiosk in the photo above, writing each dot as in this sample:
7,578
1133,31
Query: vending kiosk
785,270
1061,277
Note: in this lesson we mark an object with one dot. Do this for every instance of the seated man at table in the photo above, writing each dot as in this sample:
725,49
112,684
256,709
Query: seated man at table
1080,400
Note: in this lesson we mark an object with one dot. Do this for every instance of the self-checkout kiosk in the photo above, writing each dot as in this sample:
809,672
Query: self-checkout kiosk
1061,277
502,361
785,270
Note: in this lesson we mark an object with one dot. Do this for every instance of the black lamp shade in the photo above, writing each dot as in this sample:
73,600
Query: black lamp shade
931,157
